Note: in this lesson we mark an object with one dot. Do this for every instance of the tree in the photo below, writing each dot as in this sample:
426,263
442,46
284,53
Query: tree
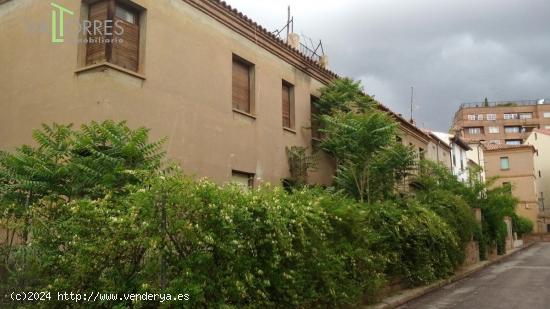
362,140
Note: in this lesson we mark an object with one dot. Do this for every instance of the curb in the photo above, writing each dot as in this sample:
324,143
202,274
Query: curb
408,295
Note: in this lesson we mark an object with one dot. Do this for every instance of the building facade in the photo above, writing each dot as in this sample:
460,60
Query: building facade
458,155
228,94
501,122
540,139
513,165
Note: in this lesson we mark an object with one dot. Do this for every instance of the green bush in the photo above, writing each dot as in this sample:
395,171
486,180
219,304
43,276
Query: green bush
521,225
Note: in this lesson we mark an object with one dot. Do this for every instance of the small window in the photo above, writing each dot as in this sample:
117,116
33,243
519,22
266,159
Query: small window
526,116
508,186
494,141
315,121
491,117
474,131
471,117
242,84
125,14
243,179
288,105
513,142
421,153
540,174
546,114
512,129
494,130
504,163
479,117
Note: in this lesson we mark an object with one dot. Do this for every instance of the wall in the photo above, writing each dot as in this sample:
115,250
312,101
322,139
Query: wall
520,175
184,92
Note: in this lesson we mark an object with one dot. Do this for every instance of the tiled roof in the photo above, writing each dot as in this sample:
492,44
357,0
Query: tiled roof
495,147
542,131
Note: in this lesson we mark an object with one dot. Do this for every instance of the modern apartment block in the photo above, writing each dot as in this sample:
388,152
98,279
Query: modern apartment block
229,95
515,167
501,122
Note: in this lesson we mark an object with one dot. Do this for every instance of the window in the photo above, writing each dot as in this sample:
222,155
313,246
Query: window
547,127
315,134
421,153
474,131
540,174
546,114
509,116
525,115
243,81
479,117
512,129
471,117
504,163
288,105
508,186
494,130
491,117
513,142
116,42
495,142
243,179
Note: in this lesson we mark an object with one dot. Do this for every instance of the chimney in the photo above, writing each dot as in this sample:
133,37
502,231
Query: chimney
323,61
293,40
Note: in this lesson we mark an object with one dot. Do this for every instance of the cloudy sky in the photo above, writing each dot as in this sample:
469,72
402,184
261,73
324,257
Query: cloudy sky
450,51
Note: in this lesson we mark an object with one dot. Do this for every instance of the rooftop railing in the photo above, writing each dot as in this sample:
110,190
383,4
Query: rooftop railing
505,103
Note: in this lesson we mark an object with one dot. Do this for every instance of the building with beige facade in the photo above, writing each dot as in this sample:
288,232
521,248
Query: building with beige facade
501,122
540,139
229,95
514,166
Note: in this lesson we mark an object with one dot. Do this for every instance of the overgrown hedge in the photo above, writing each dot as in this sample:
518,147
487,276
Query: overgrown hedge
231,248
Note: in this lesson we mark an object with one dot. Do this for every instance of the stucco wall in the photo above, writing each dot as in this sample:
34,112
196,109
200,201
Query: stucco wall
186,93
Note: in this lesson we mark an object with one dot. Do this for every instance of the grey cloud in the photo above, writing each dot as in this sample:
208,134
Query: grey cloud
450,51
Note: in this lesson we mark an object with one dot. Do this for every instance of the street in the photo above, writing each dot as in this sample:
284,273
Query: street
521,281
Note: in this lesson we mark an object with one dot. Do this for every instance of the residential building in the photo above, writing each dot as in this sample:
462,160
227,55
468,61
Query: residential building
540,139
229,95
514,166
508,122
459,156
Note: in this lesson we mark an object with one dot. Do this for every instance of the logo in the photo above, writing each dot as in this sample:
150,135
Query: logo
58,12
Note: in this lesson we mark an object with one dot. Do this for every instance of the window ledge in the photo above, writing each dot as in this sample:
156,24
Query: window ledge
105,65
238,111
289,130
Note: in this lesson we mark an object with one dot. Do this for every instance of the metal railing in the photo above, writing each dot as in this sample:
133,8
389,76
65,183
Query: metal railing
505,103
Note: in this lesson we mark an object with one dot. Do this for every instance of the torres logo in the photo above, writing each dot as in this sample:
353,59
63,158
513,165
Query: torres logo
58,25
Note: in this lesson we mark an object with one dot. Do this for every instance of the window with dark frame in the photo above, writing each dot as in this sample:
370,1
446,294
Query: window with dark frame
288,104
315,122
504,163
243,178
242,84
118,45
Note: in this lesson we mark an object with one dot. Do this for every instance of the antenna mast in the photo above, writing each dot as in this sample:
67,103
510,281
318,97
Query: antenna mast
412,95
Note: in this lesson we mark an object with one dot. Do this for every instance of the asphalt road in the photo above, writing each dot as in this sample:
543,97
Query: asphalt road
521,281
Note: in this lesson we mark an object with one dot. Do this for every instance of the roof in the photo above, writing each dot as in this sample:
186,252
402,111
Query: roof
243,25
542,131
499,147
438,138
450,138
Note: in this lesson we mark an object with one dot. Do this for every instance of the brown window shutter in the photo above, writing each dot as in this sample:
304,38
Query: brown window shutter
286,106
125,52
241,86
95,51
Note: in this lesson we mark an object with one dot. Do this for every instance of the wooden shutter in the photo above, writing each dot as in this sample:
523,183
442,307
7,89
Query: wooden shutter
241,86
125,46
286,105
96,51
